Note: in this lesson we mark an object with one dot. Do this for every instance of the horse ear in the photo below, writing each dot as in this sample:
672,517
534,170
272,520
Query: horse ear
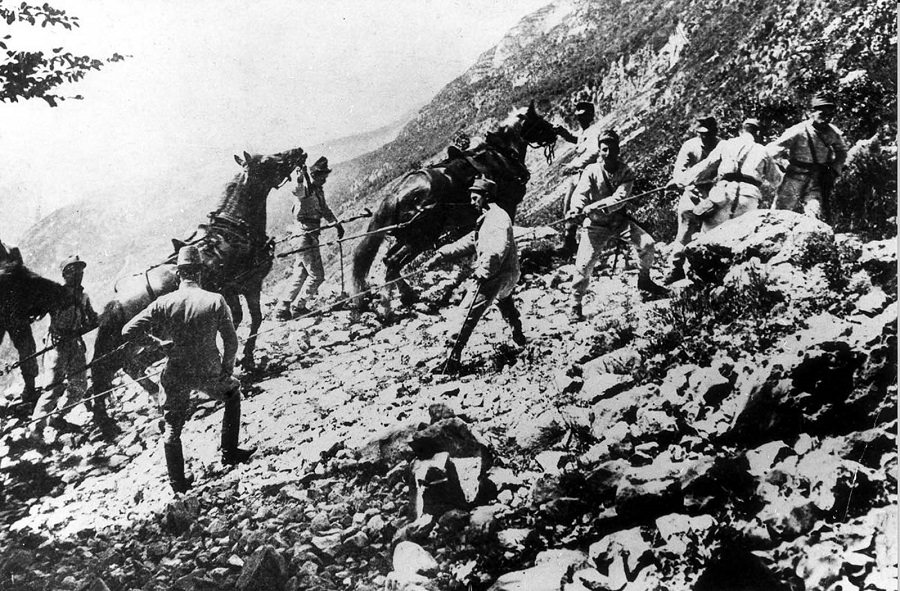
238,160
246,158
531,110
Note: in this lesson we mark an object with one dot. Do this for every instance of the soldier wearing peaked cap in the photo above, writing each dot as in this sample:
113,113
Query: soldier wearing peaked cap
742,165
812,154
190,319
308,273
67,359
584,114
496,268
692,151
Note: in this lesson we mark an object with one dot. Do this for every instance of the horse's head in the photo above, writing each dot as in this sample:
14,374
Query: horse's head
525,127
271,171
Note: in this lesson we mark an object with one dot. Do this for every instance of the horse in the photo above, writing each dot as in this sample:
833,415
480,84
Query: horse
24,297
431,205
236,253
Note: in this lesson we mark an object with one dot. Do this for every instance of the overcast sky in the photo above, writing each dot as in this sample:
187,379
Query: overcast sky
210,78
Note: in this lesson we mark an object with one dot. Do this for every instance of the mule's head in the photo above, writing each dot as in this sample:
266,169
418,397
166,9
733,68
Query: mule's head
271,171
536,130
28,295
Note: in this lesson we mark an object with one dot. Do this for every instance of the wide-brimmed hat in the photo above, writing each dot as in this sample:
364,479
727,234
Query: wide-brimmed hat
320,165
483,185
706,124
72,260
188,256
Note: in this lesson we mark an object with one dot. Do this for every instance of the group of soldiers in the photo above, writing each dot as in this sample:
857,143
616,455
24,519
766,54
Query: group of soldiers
719,179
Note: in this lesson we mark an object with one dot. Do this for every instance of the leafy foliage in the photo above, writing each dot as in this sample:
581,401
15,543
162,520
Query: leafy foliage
35,74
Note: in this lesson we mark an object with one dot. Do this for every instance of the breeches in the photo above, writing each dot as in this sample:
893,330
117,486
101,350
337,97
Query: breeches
67,362
596,240
176,399
688,223
800,191
477,300
308,273
734,199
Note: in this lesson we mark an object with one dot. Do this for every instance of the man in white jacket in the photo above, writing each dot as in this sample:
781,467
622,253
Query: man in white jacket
496,269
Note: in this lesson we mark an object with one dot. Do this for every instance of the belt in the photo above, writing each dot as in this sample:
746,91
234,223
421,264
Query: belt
310,222
741,178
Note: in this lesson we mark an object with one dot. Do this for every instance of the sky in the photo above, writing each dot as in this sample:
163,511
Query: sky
207,79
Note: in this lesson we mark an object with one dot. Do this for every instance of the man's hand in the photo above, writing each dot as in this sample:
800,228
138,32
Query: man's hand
166,346
574,214
339,228
480,275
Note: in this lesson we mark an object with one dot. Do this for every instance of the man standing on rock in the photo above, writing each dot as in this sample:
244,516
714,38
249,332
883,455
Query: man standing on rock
496,269
309,273
692,152
67,358
584,155
742,165
598,199
190,318
815,153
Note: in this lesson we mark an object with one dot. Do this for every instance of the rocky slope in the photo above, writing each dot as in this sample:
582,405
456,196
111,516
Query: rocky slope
740,435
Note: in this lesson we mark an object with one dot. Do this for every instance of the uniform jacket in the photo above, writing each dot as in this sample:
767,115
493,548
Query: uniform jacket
808,144
585,149
738,159
191,318
690,154
597,183
311,206
494,245
76,319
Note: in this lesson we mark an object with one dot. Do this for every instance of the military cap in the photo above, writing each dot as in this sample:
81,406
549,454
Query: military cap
320,165
72,260
752,122
609,136
584,108
188,256
822,100
706,124
483,185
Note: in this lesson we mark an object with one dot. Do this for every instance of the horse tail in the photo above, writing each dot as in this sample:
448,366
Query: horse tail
109,337
367,248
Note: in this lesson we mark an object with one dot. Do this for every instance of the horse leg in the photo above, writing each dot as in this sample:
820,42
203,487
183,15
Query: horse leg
253,306
367,248
408,296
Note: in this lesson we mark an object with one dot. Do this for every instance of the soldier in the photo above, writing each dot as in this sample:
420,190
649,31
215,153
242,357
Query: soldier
602,186
742,165
496,268
308,273
191,317
815,153
67,358
19,330
692,151
584,155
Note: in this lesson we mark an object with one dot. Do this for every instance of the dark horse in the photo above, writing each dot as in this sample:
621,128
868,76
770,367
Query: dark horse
431,205
24,297
236,253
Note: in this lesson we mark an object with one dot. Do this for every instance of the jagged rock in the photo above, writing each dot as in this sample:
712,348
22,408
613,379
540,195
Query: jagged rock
621,555
879,258
181,514
417,531
772,236
411,558
546,575
731,562
390,447
623,407
603,480
97,585
709,484
622,362
873,302
682,533
538,432
674,386
483,520
450,435
656,424
600,385
551,461
436,487
514,538
327,545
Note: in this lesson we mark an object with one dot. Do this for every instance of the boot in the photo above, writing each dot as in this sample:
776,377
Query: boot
30,394
284,311
575,313
677,272
231,426
509,312
450,366
519,336
175,467
651,290
570,241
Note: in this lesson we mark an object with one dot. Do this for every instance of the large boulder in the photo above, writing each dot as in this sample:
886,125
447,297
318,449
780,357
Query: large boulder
266,570
547,574
773,237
